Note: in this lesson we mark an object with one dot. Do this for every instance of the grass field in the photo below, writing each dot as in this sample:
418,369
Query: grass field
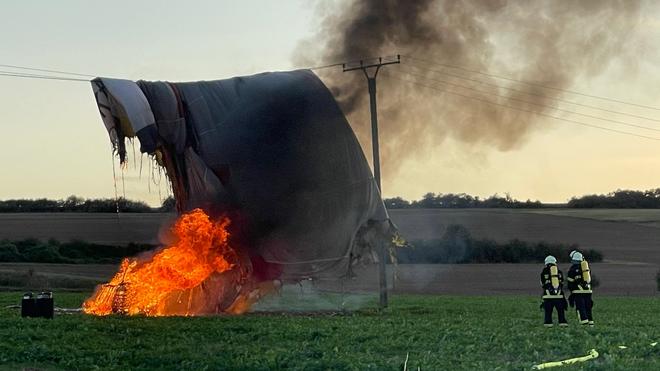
450,333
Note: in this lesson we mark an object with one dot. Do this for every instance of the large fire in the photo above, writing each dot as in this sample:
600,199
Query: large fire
199,274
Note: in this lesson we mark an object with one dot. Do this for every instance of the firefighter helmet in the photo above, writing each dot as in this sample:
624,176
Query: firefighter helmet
577,257
550,260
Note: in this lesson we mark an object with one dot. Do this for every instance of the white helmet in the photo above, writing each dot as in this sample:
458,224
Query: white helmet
573,253
577,257
550,260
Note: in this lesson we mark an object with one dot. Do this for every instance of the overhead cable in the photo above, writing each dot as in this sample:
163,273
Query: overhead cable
529,83
534,103
522,109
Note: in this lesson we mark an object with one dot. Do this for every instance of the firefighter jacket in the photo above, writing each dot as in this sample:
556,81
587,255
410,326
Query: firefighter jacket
576,283
549,291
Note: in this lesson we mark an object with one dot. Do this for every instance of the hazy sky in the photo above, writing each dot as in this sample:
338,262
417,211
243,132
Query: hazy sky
53,142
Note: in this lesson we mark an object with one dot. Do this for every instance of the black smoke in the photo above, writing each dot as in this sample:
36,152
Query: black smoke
550,43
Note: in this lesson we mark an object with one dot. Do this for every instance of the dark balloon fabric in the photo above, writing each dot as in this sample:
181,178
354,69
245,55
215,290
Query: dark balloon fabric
276,150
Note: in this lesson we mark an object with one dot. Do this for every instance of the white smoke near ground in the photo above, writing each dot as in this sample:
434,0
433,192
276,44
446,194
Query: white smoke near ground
310,296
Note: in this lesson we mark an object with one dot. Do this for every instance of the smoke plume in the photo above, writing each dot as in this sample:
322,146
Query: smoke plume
551,43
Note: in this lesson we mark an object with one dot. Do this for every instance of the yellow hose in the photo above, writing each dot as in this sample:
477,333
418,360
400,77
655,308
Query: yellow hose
592,355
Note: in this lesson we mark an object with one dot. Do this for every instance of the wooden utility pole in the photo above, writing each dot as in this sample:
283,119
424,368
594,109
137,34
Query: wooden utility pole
374,66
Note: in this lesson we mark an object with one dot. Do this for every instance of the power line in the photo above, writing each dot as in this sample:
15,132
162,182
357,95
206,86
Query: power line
535,94
45,77
524,110
45,70
326,66
56,71
53,71
61,78
531,83
534,103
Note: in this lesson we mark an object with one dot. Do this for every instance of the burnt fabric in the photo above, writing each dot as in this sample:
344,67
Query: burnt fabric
276,152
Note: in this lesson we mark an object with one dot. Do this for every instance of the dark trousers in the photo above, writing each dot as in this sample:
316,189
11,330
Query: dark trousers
548,305
583,305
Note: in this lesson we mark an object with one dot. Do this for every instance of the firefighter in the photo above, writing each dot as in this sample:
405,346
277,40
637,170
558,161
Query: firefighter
552,281
579,282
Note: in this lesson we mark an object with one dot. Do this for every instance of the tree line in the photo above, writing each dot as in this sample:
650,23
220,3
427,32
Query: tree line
82,205
460,201
619,199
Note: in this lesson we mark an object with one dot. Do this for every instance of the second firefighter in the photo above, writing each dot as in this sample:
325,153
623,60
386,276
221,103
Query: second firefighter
579,282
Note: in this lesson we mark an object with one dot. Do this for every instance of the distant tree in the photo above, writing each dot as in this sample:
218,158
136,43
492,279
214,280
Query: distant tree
428,201
72,202
391,203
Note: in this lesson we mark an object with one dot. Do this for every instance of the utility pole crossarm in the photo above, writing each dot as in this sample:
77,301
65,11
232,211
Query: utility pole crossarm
363,65
371,81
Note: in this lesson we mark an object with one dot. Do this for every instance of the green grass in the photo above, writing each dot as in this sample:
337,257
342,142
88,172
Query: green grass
471,333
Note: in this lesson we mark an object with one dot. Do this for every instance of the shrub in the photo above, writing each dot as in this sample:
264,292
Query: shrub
80,250
44,253
75,252
9,252
457,246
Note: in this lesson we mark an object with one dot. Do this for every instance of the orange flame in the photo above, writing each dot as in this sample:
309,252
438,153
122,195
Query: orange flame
199,274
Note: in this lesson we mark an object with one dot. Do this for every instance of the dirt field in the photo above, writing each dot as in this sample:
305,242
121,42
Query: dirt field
632,250
619,235
646,217
102,228
100,272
